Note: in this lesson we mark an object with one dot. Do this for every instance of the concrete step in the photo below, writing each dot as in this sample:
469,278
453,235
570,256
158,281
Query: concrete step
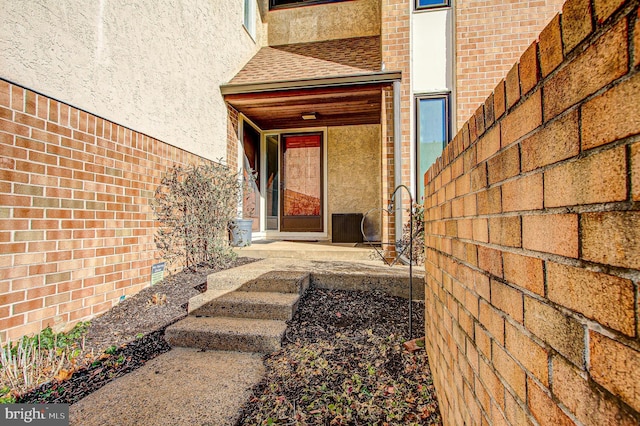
300,250
280,282
227,334
252,304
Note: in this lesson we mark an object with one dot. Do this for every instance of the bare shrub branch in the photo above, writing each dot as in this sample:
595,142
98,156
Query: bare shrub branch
194,206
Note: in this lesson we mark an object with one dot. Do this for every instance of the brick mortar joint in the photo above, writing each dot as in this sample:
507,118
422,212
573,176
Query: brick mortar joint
567,59
587,323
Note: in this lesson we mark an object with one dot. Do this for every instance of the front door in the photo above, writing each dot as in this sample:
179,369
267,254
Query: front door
301,202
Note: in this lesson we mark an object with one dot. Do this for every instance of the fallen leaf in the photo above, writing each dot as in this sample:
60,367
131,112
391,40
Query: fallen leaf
63,375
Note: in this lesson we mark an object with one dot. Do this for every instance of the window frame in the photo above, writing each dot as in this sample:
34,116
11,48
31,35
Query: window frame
300,3
249,13
443,4
446,96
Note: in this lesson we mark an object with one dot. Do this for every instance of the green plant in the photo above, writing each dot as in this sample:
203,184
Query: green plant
33,360
6,396
194,206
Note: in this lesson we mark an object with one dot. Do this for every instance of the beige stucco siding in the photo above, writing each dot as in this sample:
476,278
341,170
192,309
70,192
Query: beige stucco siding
151,65
358,18
353,173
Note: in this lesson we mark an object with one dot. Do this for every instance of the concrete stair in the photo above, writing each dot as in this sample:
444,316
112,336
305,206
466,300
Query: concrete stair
249,319
255,305
227,334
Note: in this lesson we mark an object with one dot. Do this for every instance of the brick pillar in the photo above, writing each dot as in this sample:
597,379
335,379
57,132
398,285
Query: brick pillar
232,138
388,170
395,18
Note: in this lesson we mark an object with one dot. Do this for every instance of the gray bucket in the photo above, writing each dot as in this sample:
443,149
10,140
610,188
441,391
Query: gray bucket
241,232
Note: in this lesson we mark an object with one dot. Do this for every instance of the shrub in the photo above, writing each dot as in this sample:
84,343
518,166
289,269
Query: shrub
194,206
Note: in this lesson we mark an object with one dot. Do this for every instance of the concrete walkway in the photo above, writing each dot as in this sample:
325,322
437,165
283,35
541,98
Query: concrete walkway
190,387
181,387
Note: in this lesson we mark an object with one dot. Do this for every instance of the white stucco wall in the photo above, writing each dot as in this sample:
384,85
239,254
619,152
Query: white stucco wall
431,51
151,65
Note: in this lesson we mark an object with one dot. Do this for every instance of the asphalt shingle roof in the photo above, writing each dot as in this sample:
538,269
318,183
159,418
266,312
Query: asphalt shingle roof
332,58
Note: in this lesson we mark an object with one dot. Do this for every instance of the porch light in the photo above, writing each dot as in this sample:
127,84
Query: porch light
308,115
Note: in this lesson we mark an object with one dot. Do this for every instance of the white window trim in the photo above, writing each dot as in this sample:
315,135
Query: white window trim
250,25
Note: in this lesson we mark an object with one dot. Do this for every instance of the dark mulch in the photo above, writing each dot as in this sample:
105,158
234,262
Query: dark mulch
131,332
344,364
150,310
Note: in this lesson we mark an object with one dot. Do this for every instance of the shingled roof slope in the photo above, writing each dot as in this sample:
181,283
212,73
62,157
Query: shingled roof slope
332,58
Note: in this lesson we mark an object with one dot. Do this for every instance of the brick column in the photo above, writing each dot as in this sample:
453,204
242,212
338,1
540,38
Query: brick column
395,34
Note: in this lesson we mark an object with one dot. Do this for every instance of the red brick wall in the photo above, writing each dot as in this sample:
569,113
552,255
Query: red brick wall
490,37
76,229
533,235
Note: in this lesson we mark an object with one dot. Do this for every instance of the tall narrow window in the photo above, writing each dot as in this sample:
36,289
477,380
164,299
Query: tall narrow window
432,134
428,4
250,17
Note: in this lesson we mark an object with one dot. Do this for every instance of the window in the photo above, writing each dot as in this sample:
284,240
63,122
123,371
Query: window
432,133
250,17
278,4
428,4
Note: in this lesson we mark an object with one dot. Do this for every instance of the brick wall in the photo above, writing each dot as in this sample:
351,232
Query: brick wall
533,235
490,37
76,229
395,41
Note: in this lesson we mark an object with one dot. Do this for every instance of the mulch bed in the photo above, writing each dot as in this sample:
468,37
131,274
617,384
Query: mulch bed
131,332
342,362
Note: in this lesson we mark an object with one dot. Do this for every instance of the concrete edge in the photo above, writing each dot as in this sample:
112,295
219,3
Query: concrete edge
338,275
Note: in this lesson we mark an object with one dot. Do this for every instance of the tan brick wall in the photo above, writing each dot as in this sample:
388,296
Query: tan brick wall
490,37
395,35
533,235
76,228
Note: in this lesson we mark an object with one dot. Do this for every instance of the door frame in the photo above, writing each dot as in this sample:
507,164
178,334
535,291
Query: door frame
297,235
302,223
263,233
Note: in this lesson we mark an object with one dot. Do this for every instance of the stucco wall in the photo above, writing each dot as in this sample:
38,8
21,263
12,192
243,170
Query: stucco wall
431,50
347,19
151,65
354,173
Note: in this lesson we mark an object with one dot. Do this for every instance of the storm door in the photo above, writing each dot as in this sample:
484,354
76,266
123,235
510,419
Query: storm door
301,198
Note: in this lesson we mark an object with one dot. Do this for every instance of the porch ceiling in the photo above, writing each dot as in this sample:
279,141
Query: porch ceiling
333,106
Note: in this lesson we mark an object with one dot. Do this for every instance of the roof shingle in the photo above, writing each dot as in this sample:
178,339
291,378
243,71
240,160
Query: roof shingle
332,58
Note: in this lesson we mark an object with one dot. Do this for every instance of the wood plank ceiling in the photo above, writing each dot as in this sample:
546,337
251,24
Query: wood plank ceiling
333,106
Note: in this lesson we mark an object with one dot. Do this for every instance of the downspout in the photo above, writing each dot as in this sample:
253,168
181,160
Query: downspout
397,158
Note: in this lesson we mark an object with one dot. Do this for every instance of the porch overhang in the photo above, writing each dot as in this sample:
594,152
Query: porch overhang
335,101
